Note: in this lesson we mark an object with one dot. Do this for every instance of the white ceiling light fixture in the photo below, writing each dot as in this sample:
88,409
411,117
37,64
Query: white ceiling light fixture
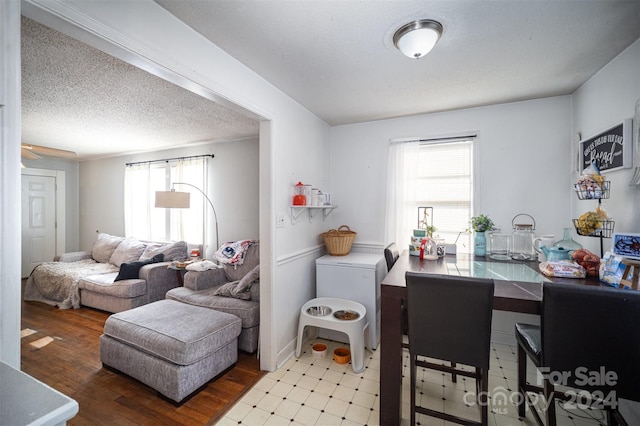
417,38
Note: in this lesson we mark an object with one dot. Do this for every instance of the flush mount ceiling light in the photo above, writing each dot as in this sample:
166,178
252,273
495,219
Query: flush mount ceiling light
417,38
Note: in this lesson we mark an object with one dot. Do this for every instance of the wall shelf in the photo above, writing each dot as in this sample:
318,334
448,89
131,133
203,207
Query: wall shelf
296,211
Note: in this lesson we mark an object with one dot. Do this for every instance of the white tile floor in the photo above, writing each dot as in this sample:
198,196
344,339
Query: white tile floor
317,391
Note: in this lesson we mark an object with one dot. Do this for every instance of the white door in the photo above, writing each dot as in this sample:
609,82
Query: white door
38,221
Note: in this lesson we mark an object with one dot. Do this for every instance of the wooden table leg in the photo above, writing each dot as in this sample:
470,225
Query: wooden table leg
180,277
391,355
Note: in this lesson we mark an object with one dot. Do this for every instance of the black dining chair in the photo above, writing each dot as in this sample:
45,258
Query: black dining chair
588,342
391,255
450,320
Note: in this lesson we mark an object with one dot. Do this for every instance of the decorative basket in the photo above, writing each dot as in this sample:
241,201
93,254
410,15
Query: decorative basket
592,192
605,230
339,241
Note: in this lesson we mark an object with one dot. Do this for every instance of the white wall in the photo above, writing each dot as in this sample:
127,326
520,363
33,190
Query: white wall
524,163
605,100
10,183
233,190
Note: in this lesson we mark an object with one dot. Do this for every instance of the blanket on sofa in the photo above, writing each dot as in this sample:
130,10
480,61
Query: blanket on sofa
56,283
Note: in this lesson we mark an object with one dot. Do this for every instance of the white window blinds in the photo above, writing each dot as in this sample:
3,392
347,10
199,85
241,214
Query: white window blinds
436,174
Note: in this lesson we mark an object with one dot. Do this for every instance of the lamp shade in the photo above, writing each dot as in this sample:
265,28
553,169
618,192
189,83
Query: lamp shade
417,38
173,199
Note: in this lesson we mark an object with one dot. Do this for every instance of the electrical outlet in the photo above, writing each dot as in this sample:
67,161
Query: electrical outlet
280,221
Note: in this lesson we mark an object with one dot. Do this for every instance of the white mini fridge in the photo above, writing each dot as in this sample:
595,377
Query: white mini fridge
357,277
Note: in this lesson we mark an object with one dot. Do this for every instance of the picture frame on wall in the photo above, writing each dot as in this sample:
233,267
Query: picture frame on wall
611,149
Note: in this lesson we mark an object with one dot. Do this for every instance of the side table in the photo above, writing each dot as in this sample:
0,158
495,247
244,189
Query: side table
180,271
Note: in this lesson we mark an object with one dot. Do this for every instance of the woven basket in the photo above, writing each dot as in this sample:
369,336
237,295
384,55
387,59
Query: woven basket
339,241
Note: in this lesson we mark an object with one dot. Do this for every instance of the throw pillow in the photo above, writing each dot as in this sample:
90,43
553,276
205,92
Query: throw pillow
171,251
229,290
131,270
104,246
128,250
245,283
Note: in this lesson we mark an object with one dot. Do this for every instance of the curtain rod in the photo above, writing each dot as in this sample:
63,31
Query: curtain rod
435,140
166,160
451,138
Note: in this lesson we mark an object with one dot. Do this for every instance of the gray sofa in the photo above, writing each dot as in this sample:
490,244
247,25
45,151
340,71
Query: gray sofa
215,289
116,275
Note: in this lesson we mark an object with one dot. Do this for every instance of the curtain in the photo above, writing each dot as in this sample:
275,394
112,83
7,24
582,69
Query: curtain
436,173
402,191
146,222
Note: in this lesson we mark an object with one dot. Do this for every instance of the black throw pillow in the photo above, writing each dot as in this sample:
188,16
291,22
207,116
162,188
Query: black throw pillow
130,271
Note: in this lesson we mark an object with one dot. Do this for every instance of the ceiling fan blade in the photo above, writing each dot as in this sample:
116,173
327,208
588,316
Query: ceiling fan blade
50,152
28,154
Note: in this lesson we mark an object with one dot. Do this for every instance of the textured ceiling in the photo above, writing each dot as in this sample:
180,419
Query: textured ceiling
337,58
334,57
77,98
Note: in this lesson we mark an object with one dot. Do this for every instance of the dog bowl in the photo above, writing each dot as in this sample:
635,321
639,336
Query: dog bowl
319,311
346,315
319,350
342,355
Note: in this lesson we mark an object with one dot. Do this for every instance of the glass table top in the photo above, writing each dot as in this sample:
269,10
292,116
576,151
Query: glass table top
496,270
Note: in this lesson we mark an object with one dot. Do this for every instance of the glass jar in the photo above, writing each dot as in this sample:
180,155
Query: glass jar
499,245
522,239
299,197
567,241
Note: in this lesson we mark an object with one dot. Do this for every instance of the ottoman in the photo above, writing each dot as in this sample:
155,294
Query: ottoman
170,346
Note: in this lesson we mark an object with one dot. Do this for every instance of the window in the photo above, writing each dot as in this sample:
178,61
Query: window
436,174
144,221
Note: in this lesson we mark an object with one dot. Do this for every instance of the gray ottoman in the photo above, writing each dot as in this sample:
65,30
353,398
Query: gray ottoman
173,347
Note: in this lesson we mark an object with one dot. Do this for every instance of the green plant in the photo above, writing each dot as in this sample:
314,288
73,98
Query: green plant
431,230
481,223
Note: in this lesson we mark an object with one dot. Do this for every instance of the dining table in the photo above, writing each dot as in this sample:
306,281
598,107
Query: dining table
518,288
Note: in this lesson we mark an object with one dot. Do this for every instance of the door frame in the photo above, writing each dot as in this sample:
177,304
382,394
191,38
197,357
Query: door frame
60,194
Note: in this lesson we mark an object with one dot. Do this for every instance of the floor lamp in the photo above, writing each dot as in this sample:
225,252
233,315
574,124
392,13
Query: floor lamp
181,200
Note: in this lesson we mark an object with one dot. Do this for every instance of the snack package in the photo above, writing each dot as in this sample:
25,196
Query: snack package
563,268
591,183
612,270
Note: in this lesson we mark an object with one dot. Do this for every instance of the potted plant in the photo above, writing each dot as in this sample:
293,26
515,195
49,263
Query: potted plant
480,224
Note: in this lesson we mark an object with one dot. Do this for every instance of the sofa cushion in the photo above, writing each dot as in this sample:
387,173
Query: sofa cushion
171,251
131,270
104,246
179,333
129,250
106,284
247,310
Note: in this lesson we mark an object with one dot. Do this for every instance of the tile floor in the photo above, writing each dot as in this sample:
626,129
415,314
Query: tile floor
318,391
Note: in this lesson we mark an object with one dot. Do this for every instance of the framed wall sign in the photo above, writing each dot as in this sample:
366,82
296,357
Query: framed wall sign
610,150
